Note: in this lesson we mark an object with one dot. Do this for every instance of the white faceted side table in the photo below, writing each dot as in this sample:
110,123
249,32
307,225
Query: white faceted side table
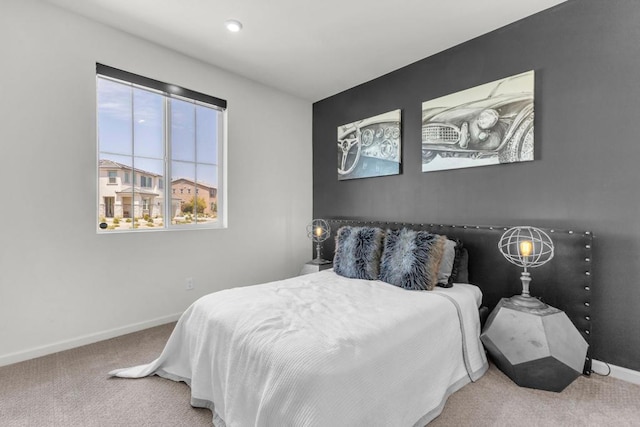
536,347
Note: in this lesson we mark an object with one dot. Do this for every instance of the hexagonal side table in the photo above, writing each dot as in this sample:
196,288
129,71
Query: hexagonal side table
535,347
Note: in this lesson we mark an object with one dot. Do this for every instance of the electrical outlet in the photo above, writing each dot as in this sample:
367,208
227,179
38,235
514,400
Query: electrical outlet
189,286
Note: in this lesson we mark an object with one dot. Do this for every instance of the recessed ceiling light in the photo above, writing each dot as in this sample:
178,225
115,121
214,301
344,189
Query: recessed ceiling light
233,25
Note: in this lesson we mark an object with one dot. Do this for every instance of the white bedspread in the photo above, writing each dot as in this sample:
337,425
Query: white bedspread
323,350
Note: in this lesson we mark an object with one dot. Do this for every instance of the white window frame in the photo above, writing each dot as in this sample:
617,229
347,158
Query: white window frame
167,191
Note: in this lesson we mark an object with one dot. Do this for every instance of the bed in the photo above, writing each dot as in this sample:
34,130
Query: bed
323,349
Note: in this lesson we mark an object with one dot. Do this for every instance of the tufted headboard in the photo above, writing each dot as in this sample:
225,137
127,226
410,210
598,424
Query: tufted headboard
564,282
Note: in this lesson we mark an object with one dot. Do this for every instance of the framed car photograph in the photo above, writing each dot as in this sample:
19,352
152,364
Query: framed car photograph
485,125
370,147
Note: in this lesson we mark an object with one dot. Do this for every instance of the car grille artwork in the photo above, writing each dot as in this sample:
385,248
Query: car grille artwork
440,134
489,124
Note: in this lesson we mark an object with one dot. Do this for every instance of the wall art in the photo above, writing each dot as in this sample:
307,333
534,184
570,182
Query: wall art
485,125
370,147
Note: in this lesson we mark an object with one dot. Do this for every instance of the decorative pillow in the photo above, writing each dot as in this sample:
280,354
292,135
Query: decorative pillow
446,264
358,251
410,259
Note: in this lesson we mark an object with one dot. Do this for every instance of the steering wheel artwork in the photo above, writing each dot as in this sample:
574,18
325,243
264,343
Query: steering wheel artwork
344,147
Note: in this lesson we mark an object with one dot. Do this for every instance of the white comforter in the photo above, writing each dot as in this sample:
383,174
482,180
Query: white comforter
323,350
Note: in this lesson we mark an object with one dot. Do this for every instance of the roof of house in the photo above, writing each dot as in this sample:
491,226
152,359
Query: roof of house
137,190
110,164
199,183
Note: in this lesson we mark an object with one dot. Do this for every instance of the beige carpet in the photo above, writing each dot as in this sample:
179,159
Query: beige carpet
72,388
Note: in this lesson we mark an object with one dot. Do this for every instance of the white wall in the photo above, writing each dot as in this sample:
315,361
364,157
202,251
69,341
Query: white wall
63,285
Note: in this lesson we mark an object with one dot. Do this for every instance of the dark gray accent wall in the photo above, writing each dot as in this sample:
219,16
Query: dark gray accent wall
586,176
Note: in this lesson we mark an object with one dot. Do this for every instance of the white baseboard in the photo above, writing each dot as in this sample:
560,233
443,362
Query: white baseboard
618,372
32,353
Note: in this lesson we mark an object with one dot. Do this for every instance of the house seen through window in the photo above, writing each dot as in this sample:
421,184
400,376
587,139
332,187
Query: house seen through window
150,133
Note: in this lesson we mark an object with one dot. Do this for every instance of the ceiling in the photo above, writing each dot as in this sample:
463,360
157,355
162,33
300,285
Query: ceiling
311,49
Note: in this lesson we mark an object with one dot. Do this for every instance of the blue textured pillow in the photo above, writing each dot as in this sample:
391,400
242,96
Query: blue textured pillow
358,252
410,259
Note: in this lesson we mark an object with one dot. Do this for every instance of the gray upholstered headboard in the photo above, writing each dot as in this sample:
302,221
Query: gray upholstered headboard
564,282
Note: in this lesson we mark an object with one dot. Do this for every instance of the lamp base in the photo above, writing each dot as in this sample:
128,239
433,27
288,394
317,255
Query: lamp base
528,302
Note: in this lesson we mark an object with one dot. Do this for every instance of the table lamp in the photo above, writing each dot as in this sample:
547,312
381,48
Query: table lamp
526,247
319,231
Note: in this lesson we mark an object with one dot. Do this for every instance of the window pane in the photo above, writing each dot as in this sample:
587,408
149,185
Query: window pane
207,177
207,135
183,199
147,198
183,134
148,122
112,170
114,117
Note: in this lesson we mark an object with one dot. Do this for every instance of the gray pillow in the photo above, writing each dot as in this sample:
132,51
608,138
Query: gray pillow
461,268
410,259
446,265
358,251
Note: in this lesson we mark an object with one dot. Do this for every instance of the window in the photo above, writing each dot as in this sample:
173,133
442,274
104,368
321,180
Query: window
156,131
146,181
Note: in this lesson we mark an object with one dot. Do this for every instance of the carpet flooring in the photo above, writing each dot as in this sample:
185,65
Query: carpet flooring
71,388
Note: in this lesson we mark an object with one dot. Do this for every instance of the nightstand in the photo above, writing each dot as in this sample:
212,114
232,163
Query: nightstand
313,267
536,347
